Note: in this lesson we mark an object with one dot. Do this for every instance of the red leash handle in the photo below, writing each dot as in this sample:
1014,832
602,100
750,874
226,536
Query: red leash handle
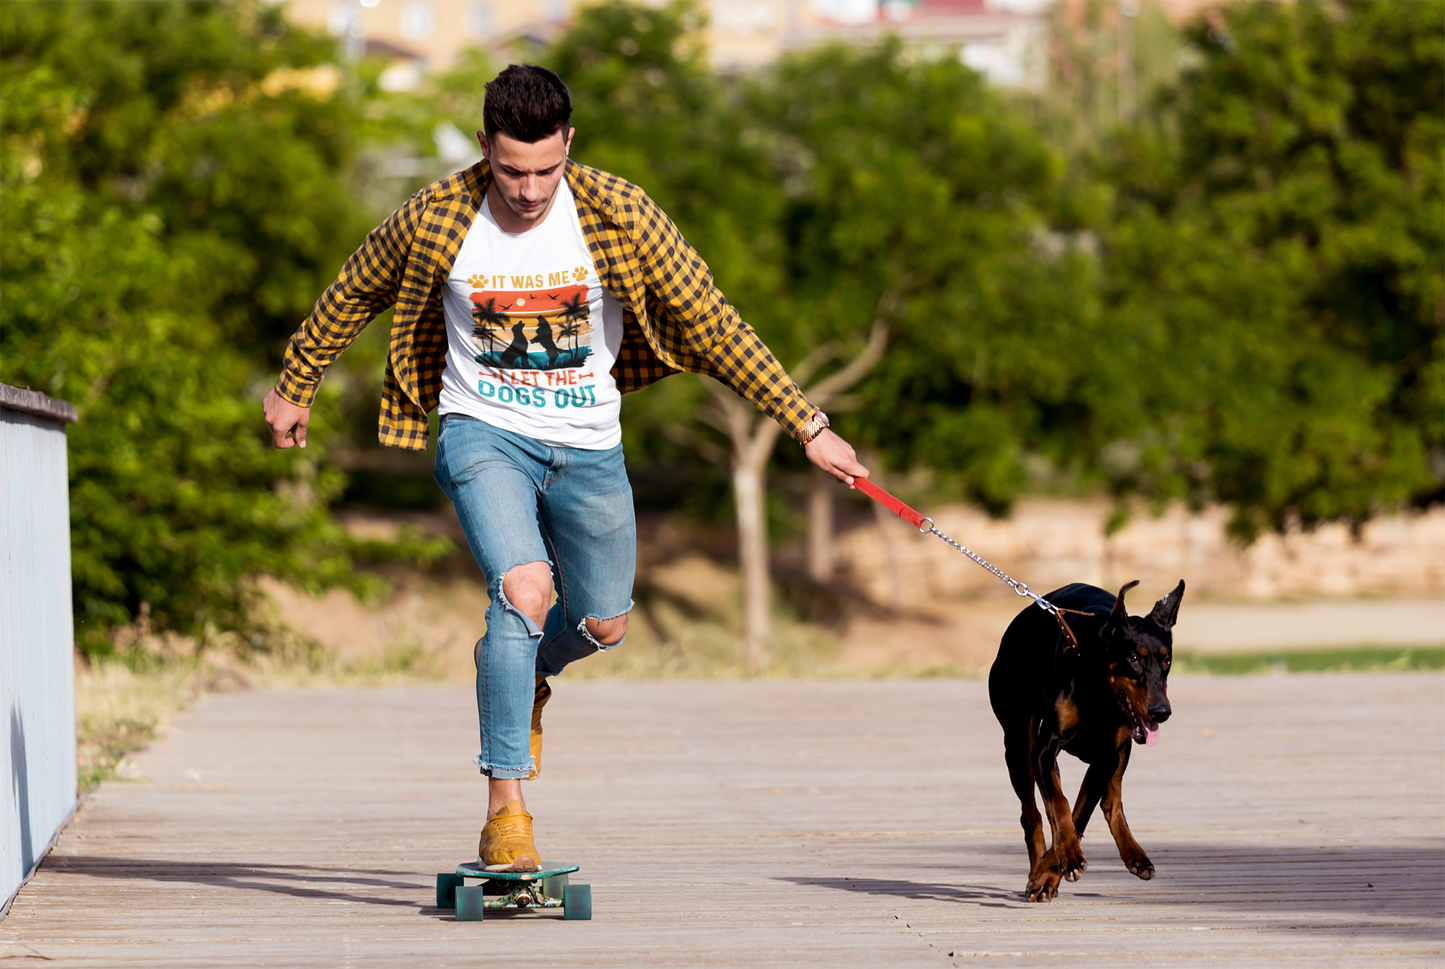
910,515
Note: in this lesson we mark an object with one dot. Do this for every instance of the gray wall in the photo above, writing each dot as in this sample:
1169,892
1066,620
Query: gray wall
37,666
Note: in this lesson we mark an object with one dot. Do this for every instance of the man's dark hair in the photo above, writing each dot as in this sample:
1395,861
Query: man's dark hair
528,103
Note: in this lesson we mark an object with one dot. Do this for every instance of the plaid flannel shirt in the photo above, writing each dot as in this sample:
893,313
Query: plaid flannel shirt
674,317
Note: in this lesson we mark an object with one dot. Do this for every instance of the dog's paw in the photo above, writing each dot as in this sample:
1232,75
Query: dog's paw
1043,889
1043,882
1069,860
1142,867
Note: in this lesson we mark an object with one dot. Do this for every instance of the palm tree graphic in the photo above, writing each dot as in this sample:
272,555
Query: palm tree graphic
489,320
574,310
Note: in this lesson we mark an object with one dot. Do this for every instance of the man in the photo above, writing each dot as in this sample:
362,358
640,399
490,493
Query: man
529,449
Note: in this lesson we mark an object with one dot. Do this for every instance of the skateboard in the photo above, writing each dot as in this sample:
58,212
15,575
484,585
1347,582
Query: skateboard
548,887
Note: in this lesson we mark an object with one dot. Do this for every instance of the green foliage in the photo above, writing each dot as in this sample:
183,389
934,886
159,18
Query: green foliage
915,194
1274,275
218,119
165,217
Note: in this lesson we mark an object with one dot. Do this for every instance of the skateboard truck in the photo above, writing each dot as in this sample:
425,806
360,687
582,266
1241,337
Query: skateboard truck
548,887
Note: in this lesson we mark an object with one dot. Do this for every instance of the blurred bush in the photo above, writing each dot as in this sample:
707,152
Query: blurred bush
1274,270
173,194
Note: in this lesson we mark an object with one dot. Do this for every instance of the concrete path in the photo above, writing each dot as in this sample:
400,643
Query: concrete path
1294,821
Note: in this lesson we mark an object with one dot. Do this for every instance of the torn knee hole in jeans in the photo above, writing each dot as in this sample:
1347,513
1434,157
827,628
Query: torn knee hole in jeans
587,633
534,630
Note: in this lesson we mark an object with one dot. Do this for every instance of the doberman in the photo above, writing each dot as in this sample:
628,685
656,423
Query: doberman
1090,701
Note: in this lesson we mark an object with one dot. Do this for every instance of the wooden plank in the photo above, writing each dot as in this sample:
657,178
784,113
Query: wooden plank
35,403
1297,820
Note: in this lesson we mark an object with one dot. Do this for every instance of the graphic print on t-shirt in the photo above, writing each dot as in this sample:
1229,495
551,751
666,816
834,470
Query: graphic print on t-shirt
548,328
533,344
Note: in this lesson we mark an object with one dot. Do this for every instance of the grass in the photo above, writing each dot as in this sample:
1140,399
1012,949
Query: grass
1357,658
120,709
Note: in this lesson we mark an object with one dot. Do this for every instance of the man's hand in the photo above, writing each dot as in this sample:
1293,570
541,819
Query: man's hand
288,421
835,456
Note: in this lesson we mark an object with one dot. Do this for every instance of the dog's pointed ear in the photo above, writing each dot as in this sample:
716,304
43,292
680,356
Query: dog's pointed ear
1114,625
1166,610
1119,614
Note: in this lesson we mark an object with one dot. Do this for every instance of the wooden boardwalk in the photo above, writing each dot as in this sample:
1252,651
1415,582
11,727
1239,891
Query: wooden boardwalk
1294,820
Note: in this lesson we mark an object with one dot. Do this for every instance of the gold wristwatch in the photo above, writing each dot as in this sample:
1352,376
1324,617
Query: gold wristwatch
813,428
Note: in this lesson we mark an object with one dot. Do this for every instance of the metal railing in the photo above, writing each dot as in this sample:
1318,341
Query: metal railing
37,636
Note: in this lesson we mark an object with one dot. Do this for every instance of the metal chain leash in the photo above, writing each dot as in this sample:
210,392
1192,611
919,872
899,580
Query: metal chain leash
918,519
1021,589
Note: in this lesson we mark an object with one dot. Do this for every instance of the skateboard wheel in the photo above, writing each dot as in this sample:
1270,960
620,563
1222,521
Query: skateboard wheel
469,904
554,885
576,902
447,885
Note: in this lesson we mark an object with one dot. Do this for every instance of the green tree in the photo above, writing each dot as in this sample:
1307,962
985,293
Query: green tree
914,189
1276,272
219,119
172,196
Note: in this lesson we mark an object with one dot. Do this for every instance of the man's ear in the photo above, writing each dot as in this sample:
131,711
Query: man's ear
1166,610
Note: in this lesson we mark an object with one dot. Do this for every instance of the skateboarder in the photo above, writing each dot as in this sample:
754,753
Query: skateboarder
537,478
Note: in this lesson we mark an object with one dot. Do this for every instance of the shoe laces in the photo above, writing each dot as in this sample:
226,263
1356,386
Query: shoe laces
511,826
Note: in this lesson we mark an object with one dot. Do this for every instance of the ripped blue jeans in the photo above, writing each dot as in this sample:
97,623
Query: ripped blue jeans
522,501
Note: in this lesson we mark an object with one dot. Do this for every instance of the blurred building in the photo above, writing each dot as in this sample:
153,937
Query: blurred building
1005,40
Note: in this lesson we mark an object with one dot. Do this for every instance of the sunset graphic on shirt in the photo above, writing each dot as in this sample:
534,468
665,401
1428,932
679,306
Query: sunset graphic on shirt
548,329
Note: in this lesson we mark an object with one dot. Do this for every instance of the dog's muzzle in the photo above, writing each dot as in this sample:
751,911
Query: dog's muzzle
1142,729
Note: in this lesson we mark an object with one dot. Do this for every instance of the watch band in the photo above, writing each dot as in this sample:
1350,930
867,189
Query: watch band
813,427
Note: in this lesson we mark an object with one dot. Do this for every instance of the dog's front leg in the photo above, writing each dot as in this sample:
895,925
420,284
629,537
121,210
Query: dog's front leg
1067,847
1065,857
1113,804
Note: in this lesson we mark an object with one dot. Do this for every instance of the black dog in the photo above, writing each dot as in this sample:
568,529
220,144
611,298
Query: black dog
1091,701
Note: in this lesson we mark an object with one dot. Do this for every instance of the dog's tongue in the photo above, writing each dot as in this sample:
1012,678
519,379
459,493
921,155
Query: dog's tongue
1151,733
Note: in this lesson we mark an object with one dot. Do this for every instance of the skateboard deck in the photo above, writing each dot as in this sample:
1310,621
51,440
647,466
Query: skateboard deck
474,869
547,887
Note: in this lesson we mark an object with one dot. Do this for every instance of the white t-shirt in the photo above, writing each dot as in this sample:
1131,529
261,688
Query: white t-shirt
531,333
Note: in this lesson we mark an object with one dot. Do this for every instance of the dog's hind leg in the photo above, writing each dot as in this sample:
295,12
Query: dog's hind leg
1096,782
1016,755
1129,850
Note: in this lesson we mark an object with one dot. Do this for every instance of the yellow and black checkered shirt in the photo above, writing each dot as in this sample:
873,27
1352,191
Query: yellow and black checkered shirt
674,317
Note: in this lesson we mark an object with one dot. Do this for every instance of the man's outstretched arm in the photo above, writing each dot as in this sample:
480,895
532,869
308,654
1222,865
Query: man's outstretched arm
367,286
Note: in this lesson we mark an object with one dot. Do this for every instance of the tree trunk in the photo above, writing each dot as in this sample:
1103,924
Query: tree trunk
750,497
820,526
753,437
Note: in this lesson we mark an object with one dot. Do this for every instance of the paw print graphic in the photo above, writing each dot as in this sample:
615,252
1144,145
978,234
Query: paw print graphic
579,274
479,280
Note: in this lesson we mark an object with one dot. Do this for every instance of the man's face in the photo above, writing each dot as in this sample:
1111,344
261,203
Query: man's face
526,174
